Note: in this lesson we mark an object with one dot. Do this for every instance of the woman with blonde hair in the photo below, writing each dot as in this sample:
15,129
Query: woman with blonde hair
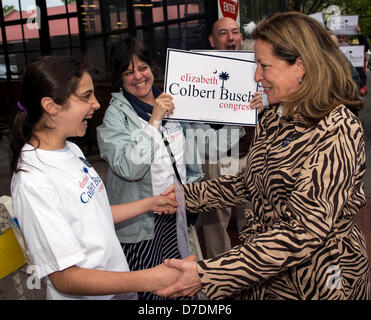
303,176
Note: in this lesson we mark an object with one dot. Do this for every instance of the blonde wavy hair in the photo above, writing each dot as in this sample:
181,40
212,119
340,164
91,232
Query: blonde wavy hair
327,82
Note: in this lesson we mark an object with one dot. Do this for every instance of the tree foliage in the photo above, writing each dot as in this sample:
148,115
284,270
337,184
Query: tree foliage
362,8
308,6
8,8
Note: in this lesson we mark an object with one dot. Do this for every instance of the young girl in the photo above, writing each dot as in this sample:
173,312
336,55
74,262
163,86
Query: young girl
60,200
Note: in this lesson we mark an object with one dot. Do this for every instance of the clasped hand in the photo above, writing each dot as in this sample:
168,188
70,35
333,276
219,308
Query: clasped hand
187,283
164,204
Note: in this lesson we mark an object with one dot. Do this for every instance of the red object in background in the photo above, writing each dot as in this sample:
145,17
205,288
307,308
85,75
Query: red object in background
229,8
363,91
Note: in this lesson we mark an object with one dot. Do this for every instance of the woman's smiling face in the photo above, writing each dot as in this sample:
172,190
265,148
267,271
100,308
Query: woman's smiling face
277,76
72,120
138,79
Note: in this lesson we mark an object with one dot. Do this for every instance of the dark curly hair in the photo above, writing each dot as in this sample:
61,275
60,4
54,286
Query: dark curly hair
122,55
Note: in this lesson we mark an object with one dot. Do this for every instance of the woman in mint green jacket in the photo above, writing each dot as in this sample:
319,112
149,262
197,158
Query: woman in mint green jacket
129,174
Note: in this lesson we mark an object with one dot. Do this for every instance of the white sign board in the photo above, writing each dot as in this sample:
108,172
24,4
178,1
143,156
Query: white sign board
355,54
238,54
210,88
319,17
181,220
343,24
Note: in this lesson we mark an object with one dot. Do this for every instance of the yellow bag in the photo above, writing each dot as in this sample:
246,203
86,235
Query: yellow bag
11,255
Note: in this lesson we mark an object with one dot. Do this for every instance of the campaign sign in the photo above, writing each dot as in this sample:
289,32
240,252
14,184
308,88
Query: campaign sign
344,24
210,88
355,54
237,54
319,17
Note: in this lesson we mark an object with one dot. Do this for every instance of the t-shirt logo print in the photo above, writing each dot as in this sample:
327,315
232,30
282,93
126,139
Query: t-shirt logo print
86,162
89,183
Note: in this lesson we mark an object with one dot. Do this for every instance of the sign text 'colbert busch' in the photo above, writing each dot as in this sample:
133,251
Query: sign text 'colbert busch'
209,88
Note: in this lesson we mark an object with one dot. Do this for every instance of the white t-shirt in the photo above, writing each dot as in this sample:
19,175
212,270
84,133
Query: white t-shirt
63,211
162,170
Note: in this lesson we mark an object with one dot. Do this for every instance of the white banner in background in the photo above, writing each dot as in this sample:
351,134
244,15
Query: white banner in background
210,88
319,17
355,54
343,24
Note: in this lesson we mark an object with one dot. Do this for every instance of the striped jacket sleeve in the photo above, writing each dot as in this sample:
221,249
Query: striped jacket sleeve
223,192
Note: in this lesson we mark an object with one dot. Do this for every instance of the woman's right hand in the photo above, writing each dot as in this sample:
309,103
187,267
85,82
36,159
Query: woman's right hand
164,106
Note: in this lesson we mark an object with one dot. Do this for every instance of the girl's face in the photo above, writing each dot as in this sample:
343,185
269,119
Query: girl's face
138,80
81,106
277,76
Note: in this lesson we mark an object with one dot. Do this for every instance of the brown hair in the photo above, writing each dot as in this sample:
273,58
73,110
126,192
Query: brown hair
327,82
56,77
121,56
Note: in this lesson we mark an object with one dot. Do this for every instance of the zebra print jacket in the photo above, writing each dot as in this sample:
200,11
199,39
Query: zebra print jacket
300,240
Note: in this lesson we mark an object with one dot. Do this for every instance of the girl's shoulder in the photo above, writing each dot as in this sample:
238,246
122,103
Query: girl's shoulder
75,149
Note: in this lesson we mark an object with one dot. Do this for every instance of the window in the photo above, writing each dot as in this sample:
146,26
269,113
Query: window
29,29
178,24
90,17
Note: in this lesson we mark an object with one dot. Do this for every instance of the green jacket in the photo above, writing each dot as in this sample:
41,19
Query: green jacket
129,151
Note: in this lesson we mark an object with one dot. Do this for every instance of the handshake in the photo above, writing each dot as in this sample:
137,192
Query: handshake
174,278
177,278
